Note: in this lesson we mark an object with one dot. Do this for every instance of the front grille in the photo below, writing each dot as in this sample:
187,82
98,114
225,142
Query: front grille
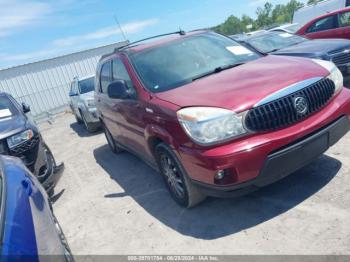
25,146
343,58
282,112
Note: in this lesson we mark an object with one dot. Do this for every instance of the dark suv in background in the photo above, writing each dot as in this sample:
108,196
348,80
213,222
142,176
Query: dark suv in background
215,117
20,137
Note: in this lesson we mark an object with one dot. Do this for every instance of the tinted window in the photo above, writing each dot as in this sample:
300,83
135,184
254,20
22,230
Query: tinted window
87,85
7,108
344,19
326,23
176,63
105,76
274,41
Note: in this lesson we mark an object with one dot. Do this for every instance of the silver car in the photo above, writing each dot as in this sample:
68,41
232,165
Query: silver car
82,102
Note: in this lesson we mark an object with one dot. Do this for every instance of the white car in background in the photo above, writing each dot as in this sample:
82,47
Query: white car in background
82,102
287,28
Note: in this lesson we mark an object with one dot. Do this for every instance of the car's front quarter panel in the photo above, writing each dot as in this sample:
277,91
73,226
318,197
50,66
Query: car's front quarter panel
246,156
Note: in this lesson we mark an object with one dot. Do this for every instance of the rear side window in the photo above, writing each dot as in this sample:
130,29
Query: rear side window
344,19
323,24
105,77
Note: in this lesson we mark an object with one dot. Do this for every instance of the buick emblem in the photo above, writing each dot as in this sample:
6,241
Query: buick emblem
301,105
346,51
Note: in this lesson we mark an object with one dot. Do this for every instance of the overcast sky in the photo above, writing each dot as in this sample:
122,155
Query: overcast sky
32,30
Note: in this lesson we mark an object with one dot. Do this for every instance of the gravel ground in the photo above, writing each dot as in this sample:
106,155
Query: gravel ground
116,204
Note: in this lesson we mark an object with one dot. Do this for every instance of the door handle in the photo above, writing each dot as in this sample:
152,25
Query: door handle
27,184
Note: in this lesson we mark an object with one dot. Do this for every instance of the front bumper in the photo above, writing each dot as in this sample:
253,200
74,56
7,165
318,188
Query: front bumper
34,154
52,180
250,161
91,116
284,162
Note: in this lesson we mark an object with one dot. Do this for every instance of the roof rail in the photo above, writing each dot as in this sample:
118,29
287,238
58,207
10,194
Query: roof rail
181,32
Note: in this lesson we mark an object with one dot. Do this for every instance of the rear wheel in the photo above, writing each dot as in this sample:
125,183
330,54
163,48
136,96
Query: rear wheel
111,142
179,185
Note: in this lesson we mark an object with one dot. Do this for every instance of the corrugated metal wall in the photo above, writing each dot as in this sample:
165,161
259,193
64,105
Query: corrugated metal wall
45,85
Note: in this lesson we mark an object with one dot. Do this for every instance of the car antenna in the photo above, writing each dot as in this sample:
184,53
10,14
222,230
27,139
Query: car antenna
120,28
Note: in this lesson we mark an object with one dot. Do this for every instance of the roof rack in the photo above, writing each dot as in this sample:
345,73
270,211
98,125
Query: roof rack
181,32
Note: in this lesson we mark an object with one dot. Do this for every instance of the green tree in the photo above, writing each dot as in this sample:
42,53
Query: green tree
267,16
264,15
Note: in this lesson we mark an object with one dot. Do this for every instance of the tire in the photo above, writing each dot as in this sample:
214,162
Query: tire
88,126
111,142
46,171
179,185
77,119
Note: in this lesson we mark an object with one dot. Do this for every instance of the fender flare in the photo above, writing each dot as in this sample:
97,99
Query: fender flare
155,132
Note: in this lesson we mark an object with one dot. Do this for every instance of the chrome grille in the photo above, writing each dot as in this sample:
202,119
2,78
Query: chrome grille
282,112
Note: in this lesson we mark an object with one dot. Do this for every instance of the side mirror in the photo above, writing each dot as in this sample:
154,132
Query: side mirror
118,89
25,108
71,93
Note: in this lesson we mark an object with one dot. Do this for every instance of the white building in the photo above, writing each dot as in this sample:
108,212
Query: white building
44,85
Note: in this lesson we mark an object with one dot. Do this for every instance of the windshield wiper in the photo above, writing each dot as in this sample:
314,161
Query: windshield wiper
217,70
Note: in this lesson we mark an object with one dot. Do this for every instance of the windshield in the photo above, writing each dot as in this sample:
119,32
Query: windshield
274,41
174,64
7,108
86,85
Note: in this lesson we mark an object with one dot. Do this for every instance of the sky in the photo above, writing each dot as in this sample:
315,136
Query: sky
32,30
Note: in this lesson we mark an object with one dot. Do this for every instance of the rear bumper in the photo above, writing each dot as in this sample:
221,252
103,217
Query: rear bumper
286,161
249,159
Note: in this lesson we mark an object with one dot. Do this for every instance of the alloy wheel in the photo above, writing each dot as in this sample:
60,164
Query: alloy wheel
173,176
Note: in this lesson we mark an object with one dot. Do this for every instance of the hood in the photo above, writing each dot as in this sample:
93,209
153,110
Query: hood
12,125
314,48
240,88
88,95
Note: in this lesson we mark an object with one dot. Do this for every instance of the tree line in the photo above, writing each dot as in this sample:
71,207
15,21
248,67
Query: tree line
267,16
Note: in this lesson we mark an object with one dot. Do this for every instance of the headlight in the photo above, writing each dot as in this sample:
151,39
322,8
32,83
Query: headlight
335,75
90,102
19,138
209,125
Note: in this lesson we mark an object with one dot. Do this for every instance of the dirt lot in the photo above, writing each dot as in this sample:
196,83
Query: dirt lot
116,204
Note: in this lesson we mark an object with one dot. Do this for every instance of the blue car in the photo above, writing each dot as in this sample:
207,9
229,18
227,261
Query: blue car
28,226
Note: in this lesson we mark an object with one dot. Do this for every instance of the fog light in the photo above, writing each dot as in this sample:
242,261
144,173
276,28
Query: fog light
220,175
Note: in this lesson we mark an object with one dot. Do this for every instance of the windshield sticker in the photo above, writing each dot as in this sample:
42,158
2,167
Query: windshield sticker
5,113
239,50
286,35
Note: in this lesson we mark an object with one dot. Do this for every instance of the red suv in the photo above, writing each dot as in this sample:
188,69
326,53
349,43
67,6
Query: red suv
215,118
331,25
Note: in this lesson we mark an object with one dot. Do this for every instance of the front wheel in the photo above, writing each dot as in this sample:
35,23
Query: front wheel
176,180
